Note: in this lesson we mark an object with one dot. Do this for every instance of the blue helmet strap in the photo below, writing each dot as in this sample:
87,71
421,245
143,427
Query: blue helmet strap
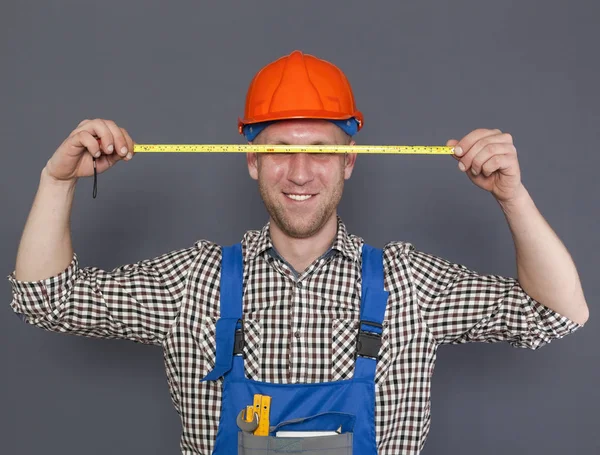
350,127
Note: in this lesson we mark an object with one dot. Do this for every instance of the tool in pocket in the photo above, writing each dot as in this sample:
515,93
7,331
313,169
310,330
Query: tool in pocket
263,403
255,418
247,420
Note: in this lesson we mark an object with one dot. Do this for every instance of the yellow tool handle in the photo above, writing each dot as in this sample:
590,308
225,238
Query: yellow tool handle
261,148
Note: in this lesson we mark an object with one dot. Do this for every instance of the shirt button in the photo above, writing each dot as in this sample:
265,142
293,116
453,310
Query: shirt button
297,334
299,285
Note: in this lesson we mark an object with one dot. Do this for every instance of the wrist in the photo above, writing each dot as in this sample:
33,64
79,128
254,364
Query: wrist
48,178
520,199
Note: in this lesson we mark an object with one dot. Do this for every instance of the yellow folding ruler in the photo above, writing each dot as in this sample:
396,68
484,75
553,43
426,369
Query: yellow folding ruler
261,148
265,148
262,406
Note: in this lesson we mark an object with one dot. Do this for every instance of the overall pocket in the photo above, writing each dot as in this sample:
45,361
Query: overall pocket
338,444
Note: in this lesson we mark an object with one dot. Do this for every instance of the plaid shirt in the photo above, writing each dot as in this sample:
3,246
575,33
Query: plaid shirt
300,328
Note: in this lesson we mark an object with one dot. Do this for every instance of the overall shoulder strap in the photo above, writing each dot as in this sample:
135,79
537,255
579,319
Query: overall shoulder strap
374,297
372,311
231,292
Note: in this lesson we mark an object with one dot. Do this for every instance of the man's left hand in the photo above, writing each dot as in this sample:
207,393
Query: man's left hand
489,158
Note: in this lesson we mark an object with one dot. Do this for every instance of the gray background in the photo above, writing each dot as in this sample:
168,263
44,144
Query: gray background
422,72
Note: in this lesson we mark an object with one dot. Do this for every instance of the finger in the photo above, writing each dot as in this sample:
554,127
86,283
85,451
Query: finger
100,130
112,159
130,144
452,143
469,157
488,152
120,142
495,163
105,161
85,139
470,139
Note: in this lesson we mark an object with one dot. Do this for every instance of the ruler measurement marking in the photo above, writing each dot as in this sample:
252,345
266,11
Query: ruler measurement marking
260,148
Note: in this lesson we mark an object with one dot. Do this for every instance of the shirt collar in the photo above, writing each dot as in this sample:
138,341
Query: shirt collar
342,242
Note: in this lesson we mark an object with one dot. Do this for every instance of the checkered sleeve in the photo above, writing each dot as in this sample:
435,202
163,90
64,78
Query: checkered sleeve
459,305
138,301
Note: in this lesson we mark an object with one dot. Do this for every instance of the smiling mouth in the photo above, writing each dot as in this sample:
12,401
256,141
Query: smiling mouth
299,197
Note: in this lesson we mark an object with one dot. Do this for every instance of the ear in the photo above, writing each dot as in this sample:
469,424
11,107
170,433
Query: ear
349,162
252,159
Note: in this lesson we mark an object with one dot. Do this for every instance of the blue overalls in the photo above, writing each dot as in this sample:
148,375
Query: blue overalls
345,406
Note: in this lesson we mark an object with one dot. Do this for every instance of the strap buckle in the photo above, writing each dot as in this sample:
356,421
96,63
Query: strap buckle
238,344
368,343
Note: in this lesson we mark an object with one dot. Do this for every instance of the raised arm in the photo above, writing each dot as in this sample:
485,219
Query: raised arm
139,301
45,248
545,268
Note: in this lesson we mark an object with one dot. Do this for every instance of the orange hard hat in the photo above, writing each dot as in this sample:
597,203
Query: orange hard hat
299,86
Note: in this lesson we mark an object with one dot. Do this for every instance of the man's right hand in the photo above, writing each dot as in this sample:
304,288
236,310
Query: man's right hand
74,157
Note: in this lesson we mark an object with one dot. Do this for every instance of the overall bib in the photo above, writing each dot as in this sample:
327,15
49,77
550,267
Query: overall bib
346,406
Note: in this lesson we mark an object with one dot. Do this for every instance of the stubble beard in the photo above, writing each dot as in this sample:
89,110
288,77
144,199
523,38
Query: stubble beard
298,226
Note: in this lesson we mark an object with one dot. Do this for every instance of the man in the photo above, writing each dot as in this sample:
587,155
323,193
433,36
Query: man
351,330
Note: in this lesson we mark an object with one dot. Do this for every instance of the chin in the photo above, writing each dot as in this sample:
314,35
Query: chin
301,232
300,227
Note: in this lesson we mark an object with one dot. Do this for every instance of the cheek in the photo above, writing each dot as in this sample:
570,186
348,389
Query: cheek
332,173
270,174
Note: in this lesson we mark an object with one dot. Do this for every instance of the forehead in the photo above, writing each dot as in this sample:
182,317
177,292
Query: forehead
302,131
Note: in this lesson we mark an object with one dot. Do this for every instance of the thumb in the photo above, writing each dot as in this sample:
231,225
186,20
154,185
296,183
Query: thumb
452,143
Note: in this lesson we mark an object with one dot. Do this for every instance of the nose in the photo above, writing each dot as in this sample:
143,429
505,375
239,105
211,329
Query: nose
300,170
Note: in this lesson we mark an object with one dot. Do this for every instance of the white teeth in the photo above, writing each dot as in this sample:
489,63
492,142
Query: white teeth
298,197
